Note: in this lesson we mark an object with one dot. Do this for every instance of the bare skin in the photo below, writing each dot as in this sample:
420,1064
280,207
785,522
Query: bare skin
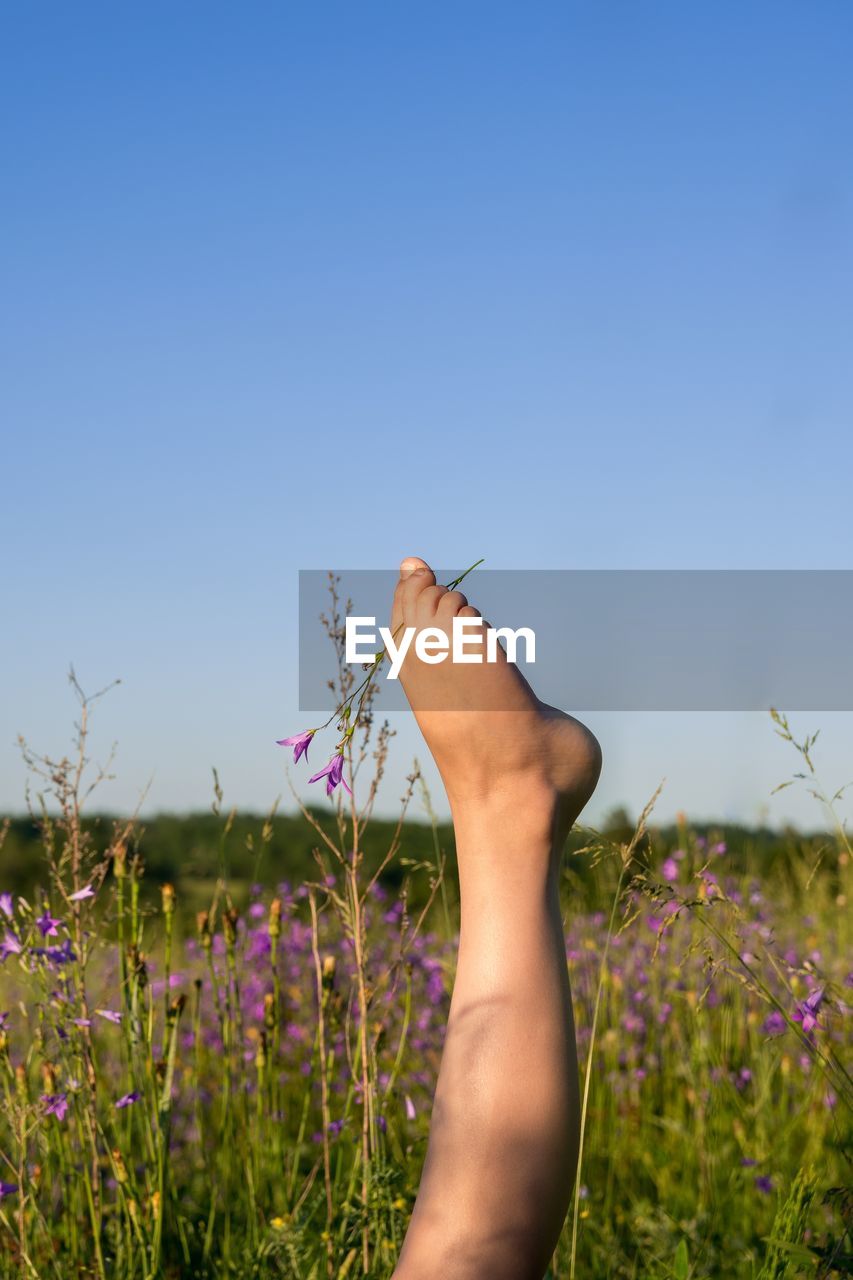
502,1152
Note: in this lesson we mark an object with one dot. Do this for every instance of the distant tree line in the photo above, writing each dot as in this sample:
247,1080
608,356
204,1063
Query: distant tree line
191,850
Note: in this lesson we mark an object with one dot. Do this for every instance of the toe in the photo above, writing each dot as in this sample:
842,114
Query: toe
410,564
451,603
415,577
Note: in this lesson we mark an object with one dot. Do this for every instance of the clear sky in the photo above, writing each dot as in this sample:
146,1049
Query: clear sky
284,286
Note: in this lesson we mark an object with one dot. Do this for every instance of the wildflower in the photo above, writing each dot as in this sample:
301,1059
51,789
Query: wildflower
720,848
7,1189
763,1184
10,946
110,1015
410,1108
774,1024
7,905
669,870
82,1022
55,1104
300,743
56,955
806,1011
82,894
48,924
333,773
127,1100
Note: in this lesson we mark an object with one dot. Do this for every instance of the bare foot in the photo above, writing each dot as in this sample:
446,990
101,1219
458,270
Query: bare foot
493,740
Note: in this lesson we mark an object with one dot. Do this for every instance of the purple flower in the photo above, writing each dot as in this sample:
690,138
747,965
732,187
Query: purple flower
669,870
82,894
110,1015
47,923
7,905
10,946
333,773
774,1024
55,1104
410,1108
7,1189
300,743
127,1100
806,1010
56,955
763,1184
720,848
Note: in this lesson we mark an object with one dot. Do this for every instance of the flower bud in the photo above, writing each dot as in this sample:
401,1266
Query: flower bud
120,1166
167,893
275,919
261,1055
202,922
229,925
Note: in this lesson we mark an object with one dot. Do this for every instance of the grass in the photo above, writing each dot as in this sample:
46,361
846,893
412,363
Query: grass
249,1096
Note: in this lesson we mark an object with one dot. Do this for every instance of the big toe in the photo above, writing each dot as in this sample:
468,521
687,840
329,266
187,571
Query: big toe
410,564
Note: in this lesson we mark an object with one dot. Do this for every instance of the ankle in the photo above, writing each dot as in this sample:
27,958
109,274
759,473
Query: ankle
523,811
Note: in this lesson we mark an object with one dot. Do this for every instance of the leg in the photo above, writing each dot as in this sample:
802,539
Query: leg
503,1143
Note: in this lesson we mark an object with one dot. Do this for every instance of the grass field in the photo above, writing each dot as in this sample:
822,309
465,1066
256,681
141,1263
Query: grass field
247,1093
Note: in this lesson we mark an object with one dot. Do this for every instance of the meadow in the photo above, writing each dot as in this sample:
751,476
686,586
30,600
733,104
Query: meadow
225,1076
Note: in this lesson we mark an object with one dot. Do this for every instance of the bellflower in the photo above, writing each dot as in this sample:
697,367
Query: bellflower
774,1024
48,924
806,1010
10,946
7,905
334,774
55,1104
300,743
127,1100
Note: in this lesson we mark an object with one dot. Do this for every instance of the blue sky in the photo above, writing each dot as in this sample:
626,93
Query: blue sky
297,286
